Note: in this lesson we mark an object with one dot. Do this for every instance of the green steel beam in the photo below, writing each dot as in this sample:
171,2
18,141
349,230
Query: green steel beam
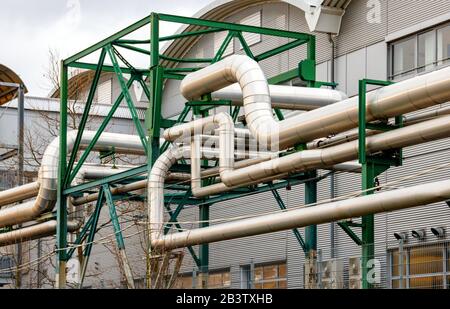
91,236
224,46
106,180
204,248
296,232
61,206
186,60
81,236
127,96
139,24
180,229
181,118
133,48
174,216
85,116
129,41
311,198
245,46
106,68
113,216
173,76
181,70
284,77
234,27
99,132
350,233
188,34
280,49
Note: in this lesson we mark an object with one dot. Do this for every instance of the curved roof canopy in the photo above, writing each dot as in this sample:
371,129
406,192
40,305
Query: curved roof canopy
7,93
321,16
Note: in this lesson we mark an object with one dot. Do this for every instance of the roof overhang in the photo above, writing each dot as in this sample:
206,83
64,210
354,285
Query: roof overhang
10,82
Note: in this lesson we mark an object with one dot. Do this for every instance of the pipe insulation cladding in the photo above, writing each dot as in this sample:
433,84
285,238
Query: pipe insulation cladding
330,212
397,99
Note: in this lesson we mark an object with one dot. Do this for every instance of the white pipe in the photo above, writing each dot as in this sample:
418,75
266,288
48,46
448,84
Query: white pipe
286,97
400,98
330,212
35,232
48,174
19,193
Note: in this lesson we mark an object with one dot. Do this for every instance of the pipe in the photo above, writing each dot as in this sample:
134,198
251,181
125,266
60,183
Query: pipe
48,174
315,159
35,232
334,211
286,97
19,193
400,98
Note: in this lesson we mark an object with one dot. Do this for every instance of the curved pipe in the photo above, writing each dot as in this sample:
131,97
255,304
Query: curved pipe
400,98
286,97
48,174
330,212
35,232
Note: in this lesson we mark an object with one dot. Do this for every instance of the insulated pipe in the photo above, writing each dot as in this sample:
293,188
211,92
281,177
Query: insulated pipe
48,174
397,99
286,97
35,232
19,193
330,212
315,159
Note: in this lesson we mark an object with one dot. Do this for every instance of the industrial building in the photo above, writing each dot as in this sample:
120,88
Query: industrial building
163,199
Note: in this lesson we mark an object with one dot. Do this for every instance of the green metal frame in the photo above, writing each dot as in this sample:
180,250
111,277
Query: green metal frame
162,67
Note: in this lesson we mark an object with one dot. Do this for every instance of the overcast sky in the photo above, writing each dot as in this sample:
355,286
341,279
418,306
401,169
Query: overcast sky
30,28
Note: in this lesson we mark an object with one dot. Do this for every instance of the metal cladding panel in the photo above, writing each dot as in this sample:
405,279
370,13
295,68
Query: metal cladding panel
360,27
405,13
356,70
341,73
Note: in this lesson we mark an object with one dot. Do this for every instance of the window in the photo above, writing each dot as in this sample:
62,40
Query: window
269,276
252,20
420,52
420,267
216,280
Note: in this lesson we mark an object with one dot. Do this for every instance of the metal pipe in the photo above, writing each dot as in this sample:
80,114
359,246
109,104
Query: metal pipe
286,97
35,232
401,98
16,194
319,158
48,174
335,211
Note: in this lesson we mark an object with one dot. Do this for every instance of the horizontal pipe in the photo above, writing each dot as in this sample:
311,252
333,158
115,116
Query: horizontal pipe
19,193
35,232
330,212
286,97
48,174
398,99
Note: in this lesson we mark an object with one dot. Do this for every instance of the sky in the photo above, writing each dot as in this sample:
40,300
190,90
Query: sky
31,28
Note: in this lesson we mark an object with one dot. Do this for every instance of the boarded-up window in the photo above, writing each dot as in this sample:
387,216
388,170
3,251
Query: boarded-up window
104,92
252,20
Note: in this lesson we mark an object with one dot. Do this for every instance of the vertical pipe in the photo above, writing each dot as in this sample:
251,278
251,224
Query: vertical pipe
20,180
333,175
61,211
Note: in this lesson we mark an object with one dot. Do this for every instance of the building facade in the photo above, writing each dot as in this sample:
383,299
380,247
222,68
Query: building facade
378,39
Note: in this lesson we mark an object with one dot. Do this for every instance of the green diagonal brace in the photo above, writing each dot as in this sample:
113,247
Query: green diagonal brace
99,132
344,226
128,98
283,207
113,216
85,116
178,210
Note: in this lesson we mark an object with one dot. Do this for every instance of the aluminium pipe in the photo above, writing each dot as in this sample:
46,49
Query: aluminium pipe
330,212
329,157
48,174
397,99
35,232
318,158
286,97
19,193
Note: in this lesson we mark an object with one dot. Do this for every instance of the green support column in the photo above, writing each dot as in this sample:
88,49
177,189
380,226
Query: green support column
61,208
311,231
204,248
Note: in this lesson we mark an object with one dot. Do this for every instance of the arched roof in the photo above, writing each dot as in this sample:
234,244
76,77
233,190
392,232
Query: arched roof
8,76
219,10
